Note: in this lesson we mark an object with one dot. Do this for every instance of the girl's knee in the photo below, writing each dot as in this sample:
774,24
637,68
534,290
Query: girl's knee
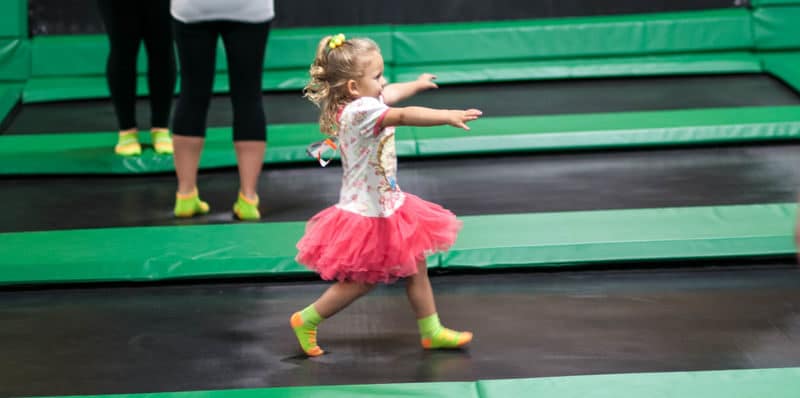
358,287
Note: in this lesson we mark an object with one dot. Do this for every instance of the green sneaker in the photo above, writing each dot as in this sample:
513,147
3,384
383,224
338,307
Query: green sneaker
128,144
162,141
189,205
246,209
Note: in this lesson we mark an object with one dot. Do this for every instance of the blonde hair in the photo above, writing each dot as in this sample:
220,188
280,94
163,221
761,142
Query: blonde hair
330,72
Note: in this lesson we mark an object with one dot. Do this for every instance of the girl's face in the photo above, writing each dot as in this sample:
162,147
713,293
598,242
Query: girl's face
372,81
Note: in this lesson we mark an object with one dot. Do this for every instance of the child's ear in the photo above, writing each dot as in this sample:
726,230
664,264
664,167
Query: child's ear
352,88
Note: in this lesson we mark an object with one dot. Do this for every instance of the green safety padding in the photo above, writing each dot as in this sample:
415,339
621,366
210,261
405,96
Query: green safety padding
712,63
573,37
13,18
497,241
44,89
768,3
777,27
14,59
92,153
509,50
607,130
784,65
399,390
85,55
748,383
10,95
742,383
150,254
296,47
72,55
554,239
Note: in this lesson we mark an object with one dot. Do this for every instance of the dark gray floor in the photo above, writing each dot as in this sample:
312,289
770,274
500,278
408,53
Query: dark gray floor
468,186
202,337
544,97
89,116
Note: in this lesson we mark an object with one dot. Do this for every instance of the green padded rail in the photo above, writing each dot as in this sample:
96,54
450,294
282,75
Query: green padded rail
612,130
751,383
13,18
14,59
72,55
777,27
73,67
556,239
746,383
681,64
90,153
44,89
784,65
716,41
574,37
296,47
85,55
10,95
496,241
768,3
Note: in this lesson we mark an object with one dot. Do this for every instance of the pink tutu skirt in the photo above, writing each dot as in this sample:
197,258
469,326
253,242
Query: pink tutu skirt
341,245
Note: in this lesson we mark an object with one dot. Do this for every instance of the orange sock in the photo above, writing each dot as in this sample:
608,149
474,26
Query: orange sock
304,323
434,335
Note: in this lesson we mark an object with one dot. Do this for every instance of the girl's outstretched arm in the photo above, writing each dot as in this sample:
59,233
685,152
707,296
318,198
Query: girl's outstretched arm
396,92
420,116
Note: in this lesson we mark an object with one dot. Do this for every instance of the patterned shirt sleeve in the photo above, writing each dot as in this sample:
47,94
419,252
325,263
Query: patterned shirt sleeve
365,115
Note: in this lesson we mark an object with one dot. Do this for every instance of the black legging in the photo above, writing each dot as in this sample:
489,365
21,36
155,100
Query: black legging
128,23
245,44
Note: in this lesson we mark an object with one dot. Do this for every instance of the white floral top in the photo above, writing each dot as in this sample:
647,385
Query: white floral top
369,160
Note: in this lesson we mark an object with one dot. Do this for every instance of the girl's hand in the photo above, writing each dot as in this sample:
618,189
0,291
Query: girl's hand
425,82
460,118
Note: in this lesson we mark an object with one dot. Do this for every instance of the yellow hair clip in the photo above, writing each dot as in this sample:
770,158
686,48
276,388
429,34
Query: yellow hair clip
336,41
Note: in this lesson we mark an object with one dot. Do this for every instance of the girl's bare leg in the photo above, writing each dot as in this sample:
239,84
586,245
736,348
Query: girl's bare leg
335,299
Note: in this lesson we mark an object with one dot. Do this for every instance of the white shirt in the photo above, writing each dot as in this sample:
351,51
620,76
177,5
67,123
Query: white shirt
369,160
188,11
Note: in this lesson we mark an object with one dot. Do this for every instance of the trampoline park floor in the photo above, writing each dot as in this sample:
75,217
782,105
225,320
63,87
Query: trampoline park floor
160,338
214,335
527,183
494,99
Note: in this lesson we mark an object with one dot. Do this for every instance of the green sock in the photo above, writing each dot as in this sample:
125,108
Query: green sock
188,205
434,335
246,209
429,325
304,323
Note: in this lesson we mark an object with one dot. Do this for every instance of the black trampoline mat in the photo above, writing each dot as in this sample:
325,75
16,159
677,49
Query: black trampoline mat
527,183
553,97
92,116
225,336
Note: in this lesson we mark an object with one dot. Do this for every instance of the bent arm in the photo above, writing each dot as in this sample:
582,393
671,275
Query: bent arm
396,92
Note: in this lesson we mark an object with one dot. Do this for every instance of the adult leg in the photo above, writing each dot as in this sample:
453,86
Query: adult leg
196,45
121,21
157,32
245,45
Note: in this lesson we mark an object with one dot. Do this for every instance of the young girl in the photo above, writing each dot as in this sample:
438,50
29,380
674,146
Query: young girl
376,233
